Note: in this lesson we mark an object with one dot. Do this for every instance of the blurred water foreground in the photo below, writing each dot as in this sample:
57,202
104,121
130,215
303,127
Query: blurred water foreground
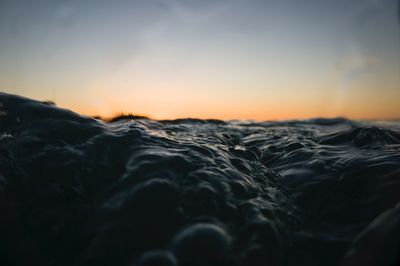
75,190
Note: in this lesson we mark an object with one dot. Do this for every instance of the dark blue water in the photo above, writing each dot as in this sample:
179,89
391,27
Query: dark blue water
79,191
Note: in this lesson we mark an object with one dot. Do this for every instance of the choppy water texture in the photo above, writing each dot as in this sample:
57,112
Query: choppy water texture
79,191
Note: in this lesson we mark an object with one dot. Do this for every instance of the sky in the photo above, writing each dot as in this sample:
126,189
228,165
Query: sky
226,59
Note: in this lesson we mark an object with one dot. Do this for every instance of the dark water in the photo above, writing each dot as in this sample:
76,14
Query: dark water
80,191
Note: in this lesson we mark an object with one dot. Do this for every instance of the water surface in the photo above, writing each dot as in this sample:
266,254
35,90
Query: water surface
75,190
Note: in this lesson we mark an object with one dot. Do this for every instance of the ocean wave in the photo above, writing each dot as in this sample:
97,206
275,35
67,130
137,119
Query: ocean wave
76,190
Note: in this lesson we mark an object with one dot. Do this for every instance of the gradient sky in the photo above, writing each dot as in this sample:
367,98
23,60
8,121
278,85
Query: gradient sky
229,59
